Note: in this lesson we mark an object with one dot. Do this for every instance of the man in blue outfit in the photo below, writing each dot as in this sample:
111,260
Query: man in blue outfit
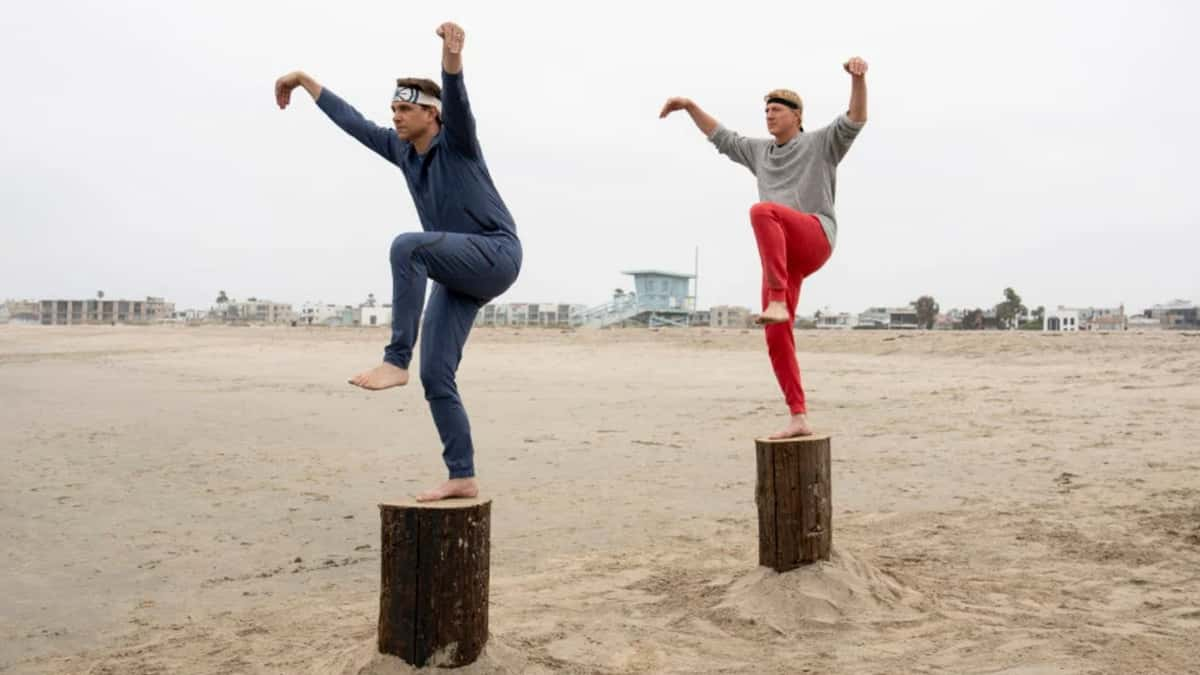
469,246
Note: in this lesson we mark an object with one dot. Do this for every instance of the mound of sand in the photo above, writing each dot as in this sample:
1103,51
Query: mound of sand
364,659
843,590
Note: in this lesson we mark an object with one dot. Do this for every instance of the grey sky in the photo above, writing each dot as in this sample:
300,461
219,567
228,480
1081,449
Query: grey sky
1046,145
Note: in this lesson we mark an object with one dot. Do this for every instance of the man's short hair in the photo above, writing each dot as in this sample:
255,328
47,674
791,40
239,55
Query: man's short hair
424,86
786,97
427,87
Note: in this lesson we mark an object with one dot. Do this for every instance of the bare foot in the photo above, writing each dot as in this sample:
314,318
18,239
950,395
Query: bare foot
382,376
776,312
455,487
797,427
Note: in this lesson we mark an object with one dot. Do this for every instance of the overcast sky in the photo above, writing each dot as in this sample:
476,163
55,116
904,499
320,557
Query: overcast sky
1050,146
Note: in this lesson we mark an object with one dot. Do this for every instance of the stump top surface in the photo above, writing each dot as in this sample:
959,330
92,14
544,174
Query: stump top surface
443,504
794,439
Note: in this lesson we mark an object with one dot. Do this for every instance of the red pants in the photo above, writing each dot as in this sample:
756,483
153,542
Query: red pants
792,246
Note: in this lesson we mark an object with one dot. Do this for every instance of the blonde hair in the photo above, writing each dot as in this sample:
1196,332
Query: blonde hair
786,95
791,97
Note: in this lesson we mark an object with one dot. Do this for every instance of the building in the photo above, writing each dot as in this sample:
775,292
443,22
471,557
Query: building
731,316
828,320
1063,319
374,316
948,320
889,318
1106,318
1177,314
528,314
158,309
326,314
1109,322
96,311
550,314
263,311
21,312
189,315
1070,319
253,310
662,291
659,299
1141,322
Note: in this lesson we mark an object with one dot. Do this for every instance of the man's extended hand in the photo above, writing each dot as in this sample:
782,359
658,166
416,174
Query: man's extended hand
284,87
452,36
704,122
674,103
856,67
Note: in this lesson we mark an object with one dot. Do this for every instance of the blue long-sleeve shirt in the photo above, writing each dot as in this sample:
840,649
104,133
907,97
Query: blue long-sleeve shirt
450,183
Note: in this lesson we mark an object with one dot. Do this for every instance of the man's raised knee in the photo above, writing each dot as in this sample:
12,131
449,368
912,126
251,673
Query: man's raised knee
761,210
404,245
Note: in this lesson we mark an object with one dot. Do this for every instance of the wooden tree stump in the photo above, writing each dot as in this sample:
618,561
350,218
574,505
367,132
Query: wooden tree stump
793,498
433,599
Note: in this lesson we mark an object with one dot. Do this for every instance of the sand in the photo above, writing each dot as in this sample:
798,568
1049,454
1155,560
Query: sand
203,500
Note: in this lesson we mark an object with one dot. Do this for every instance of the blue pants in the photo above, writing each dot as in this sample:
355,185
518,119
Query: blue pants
468,270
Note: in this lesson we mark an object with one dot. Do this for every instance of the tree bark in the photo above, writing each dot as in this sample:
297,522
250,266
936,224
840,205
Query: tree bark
793,498
433,600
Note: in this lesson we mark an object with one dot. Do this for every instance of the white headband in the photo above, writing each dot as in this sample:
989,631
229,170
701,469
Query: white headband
416,96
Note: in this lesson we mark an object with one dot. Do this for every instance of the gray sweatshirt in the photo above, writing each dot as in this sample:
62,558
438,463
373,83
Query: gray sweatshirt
800,174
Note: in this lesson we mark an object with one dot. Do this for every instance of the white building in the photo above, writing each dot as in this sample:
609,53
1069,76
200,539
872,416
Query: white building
1063,319
839,321
528,314
375,316
325,314
730,316
25,312
186,315
890,318
1144,323
1070,319
253,310
1176,314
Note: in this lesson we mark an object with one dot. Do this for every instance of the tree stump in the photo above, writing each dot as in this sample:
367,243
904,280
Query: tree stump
793,498
433,599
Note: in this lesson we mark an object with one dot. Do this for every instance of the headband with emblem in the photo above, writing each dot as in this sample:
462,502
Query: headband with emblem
416,97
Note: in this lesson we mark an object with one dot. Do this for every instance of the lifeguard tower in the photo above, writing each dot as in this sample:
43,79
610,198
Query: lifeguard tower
658,299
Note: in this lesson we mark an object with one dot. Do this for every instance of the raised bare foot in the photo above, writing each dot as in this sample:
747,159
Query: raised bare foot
798,426
776,312
382,376
455,487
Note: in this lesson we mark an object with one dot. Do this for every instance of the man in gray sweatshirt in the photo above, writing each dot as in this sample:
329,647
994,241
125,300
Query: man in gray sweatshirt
793,221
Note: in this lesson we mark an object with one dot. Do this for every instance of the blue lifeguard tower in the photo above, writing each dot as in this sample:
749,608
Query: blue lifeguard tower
659,299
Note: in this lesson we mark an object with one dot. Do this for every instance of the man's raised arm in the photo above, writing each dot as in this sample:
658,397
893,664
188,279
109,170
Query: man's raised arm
382,140
728,143
858,89
453,37
457,120
704,122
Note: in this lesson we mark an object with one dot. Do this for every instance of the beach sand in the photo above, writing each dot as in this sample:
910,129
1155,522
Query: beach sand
204,500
